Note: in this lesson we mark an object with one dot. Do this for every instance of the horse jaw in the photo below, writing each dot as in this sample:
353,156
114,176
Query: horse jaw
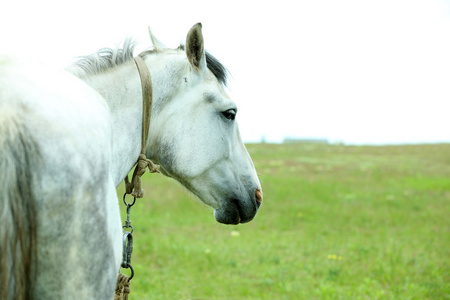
224,180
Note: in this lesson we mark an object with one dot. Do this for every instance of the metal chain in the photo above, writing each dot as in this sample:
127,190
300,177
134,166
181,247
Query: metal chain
128,238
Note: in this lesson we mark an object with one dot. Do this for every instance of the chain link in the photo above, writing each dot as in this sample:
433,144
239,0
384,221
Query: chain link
127,238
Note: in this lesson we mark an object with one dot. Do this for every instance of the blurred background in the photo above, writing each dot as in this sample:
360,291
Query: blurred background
351,71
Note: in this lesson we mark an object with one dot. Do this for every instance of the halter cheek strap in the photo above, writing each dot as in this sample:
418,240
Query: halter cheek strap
135,186
147,98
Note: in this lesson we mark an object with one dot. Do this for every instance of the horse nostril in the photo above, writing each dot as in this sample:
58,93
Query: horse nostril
259,196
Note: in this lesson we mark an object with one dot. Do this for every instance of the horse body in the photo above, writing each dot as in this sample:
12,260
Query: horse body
84,136
69,163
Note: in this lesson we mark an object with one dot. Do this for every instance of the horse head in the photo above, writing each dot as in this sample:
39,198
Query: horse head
194,135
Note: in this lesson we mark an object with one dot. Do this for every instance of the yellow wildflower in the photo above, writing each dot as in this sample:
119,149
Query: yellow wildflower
235,233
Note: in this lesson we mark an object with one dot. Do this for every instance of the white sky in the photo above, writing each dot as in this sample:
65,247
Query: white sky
364,72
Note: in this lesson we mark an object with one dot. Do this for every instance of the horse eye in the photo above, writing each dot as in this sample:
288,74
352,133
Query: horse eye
229,114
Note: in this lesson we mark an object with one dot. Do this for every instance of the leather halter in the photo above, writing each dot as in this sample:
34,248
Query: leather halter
135,187
147,98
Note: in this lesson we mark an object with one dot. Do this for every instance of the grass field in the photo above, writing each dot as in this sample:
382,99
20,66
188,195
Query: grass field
337,222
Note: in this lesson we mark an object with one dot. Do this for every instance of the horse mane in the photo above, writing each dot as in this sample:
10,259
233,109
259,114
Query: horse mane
108,58
217,68
104,59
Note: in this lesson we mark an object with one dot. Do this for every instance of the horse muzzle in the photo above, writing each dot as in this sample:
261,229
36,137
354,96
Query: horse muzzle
237,210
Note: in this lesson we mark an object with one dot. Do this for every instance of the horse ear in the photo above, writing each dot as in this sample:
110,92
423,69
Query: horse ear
156,43
194,47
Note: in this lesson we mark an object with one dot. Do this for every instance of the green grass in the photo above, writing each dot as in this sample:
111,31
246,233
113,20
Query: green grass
337,222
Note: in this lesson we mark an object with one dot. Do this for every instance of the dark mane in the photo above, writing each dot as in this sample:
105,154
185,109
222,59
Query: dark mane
217,68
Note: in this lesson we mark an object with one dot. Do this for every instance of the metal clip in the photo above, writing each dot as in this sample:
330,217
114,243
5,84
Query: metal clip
128,221
129,205
127,249
127,239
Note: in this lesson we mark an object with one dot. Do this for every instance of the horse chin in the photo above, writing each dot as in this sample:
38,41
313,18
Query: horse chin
233,213
229,208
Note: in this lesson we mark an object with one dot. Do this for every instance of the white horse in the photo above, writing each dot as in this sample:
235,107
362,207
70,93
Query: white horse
66,143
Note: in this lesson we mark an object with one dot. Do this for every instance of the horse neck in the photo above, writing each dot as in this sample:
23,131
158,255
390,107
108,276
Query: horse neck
121,88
